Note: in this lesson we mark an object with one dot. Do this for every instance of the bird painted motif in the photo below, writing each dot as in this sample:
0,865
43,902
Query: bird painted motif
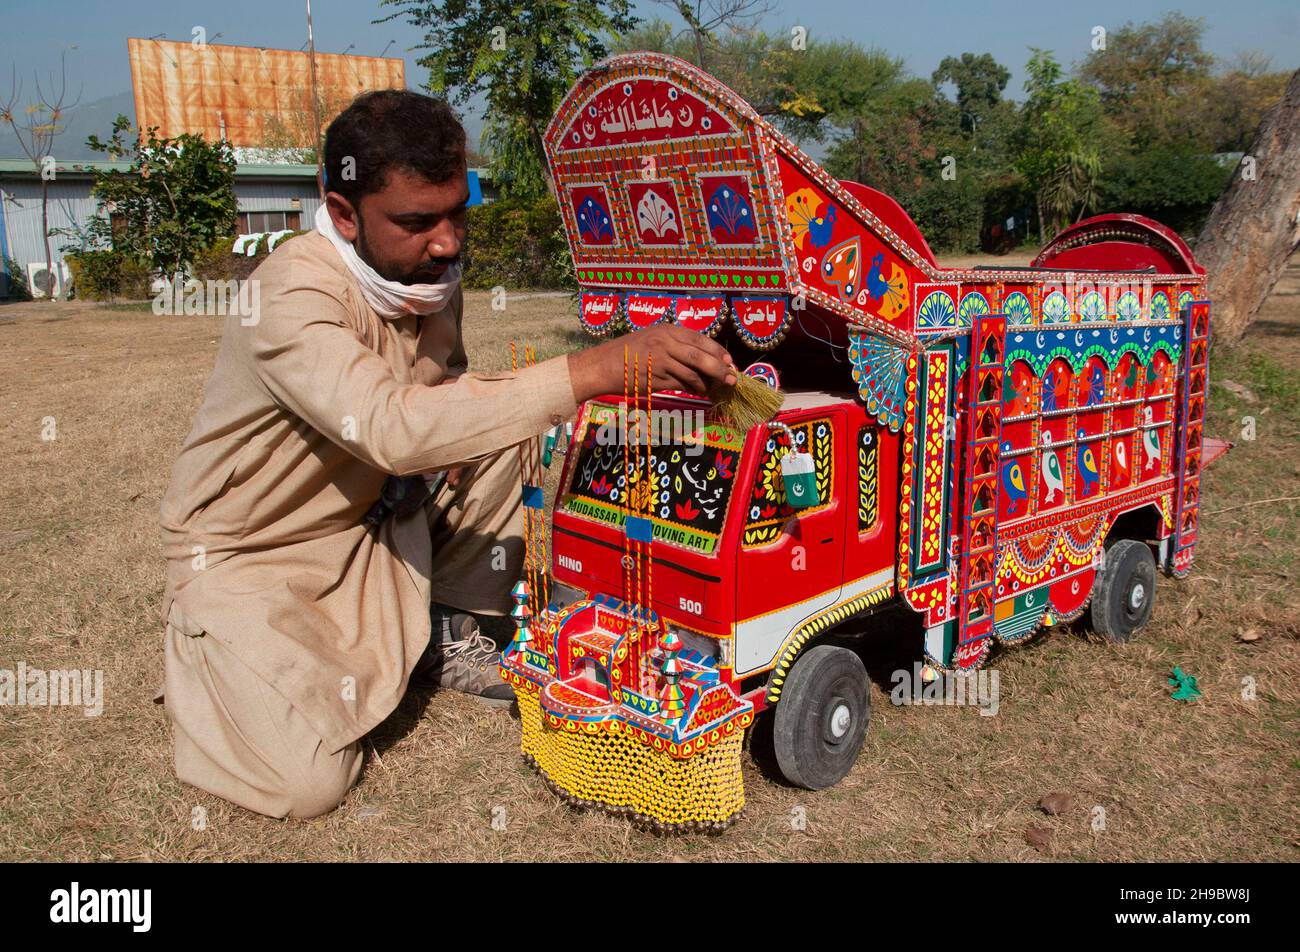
1016,388
890,293
819,229
805,221
1151,447
1119,462
876,284
1050,465
1013,482
1131,376
1088,468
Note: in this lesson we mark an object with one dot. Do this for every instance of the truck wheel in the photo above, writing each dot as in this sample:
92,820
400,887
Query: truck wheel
821,719
1125,591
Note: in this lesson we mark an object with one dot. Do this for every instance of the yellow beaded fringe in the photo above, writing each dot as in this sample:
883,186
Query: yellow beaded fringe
618,773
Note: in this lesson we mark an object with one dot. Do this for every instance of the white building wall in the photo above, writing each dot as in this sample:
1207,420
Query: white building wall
70,205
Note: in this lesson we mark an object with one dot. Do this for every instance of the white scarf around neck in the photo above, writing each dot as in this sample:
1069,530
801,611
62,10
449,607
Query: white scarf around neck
389,299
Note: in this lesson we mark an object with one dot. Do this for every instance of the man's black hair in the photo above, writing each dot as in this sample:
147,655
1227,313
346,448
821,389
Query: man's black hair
387,130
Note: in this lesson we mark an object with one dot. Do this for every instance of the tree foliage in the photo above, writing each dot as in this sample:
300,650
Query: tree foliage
1141,125
979,80
522,57
175,199
1059,143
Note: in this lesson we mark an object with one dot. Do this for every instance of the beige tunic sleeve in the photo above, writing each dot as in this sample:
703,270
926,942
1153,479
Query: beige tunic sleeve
316,365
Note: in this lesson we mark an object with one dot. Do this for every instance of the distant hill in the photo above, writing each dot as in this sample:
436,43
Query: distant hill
85,119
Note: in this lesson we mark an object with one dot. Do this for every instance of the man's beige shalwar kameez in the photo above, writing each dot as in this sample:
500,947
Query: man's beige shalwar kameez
292,627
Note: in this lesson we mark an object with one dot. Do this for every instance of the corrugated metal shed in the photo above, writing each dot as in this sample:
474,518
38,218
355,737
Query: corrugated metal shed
231,91
70,206
258,188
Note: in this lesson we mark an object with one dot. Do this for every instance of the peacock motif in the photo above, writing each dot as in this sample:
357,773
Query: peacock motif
807,221
1017,308
1160,306
1129,308
655,215
1093,307
1056,310
972,306
729,212
936,310
593,221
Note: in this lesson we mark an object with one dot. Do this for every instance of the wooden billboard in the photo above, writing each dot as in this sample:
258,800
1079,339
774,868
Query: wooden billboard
237,92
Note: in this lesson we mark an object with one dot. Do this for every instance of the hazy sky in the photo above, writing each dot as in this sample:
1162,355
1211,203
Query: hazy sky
922,32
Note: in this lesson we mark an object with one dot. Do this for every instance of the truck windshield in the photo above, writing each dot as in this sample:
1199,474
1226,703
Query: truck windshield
683,483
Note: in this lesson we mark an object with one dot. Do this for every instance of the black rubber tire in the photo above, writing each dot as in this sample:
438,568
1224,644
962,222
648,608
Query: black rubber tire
1125,591
813,746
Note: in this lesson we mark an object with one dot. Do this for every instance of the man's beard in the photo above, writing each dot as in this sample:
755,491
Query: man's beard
420,275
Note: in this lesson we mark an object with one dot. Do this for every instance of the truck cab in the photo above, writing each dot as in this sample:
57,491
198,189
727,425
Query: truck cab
740,575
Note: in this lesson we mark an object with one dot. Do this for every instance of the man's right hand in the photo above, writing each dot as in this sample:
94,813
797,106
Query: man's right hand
679,359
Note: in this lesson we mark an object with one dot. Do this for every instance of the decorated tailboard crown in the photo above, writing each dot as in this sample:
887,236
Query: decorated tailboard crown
682,204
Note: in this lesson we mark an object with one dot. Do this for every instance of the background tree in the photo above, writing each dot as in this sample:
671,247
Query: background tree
523,57
176,198
1255,225
706,19
289,135
812,93
1059,143
1151,77
36,134
980,81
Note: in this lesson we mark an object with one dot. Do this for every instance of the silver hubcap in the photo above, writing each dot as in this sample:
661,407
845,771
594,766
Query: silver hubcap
1137,596
840,720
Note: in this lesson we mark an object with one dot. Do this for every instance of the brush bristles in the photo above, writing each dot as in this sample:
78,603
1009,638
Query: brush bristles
747,404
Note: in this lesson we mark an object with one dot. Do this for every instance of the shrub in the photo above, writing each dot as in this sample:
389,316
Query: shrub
515,245
218,263
13,283
107,275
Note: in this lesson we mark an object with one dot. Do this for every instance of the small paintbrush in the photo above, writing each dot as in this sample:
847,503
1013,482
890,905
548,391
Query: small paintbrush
747,403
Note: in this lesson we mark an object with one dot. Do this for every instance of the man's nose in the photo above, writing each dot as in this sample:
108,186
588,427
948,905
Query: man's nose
444,241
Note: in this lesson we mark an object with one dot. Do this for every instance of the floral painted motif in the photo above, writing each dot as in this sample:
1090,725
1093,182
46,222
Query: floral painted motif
1056,309
729,211
591,208
658,217
937,310
1017,309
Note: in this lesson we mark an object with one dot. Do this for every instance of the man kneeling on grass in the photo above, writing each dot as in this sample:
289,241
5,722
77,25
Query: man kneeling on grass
310,554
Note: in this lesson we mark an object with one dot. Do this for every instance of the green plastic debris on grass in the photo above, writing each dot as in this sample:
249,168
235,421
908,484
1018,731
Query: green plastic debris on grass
1184,686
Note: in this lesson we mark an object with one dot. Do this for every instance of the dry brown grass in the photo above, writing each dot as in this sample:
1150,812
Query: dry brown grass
80,584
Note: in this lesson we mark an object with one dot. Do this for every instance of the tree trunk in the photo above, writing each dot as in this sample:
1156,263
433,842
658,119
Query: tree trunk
45,233
1255,224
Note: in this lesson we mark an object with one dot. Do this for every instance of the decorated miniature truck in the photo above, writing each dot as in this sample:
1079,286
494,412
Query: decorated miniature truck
997,448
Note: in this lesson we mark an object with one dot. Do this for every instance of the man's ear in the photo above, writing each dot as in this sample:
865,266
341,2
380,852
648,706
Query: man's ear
343,215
